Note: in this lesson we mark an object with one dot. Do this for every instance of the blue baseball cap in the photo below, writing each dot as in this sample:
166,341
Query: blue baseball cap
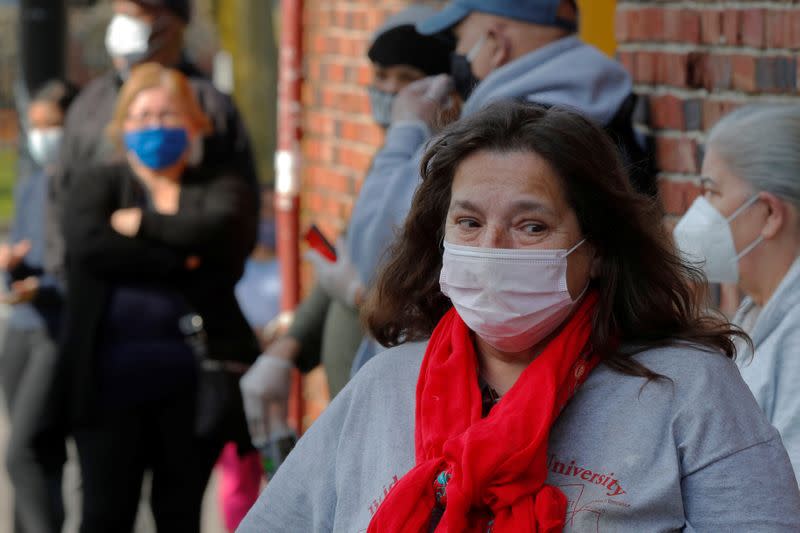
543,12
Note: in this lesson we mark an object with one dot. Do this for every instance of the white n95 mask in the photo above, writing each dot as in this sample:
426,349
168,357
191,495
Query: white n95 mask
128,38
512,298
703,236
44,145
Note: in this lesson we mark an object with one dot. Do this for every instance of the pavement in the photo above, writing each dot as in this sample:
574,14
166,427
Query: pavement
211,520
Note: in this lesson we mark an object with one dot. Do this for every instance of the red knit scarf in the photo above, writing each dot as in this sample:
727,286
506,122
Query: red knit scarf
498,464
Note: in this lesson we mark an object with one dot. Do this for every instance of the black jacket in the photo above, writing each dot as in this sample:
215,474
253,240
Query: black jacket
86,145
215,222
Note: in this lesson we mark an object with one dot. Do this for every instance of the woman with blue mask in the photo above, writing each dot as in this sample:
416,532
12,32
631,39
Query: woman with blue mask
155,248
745,230
551,366
28,357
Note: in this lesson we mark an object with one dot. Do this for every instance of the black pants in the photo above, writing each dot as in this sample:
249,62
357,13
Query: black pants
27,364
115,453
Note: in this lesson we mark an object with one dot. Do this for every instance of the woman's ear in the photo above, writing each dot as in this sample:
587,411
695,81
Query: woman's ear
596,265
776,215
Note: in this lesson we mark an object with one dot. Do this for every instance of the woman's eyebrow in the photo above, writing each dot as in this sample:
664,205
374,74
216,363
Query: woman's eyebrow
516,207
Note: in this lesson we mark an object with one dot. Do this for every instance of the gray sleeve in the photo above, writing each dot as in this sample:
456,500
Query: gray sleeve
719,497
302,495
385,198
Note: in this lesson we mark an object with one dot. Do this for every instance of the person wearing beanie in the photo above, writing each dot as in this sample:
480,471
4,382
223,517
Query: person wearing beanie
326,326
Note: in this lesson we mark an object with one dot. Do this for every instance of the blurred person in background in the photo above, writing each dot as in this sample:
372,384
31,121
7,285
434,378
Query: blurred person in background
28,356
745,230
141,31
505,50
552,367
155,248
258,294
326,325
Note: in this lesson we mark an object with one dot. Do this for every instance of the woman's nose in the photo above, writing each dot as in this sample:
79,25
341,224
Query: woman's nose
495,237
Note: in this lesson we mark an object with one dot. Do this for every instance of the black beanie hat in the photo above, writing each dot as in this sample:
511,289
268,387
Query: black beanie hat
182,8
398,43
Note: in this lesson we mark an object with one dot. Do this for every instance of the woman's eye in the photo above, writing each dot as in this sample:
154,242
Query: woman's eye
533,228
467,223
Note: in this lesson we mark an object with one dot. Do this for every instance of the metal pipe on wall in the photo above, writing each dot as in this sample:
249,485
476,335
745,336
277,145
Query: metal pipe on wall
287,170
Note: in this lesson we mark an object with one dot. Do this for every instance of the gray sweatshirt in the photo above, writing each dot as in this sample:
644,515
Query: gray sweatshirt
691,454
773,372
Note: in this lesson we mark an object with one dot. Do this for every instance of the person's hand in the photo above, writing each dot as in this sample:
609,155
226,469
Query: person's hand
340,278
22,291
12,256
127,221
423,100
266,384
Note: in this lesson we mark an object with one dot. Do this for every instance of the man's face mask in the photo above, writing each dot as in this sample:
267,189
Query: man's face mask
128,38
381,103
461,69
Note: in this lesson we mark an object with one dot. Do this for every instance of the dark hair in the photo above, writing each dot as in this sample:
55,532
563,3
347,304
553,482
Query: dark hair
58,92
648,296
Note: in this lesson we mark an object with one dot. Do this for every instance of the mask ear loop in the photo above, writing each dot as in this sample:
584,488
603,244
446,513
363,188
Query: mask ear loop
750,247
742,208
575,247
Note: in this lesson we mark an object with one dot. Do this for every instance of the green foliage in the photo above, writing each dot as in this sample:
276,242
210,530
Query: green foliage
8,172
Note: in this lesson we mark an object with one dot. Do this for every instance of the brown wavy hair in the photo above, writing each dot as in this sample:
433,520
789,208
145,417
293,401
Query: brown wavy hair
648,294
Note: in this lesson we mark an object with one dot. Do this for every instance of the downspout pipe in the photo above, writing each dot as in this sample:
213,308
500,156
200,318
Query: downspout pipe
287,172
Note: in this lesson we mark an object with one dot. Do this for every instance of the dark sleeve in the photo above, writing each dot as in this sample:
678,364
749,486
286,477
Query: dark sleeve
307,327
228,147
93,244
223,228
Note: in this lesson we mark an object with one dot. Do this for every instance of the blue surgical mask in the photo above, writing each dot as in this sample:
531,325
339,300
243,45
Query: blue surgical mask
381,103
158,148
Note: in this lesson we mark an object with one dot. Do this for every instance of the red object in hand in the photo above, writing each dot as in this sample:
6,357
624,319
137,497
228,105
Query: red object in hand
317,241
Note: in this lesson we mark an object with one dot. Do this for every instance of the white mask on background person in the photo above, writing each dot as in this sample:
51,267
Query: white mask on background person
44,145
703,235
381,103
512,298
128,38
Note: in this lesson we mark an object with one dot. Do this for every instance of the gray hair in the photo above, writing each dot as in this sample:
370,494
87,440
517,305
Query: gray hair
760,143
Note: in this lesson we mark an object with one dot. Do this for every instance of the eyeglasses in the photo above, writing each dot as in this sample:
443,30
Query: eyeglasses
166,118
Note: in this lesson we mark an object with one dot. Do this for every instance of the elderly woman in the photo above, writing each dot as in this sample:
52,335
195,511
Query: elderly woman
552,369
746,230
154,250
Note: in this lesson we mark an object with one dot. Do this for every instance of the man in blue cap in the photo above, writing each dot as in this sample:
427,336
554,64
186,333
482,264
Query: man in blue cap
506,49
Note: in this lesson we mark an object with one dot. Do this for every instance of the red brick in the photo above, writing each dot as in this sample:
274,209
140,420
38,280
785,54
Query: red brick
681,25
711,26
744,73
731,27
752,31
677,196
666,112
676,155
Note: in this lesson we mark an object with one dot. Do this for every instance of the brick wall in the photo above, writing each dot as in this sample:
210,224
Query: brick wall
696,61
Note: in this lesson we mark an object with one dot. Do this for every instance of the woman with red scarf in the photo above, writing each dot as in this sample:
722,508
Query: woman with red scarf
553,368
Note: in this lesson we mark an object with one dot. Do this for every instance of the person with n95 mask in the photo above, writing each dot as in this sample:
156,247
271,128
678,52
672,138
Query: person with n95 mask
28,353
745,229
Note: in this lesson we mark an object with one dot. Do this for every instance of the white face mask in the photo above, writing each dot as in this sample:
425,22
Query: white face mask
44,145
704,236
128,38
512,298
381,103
